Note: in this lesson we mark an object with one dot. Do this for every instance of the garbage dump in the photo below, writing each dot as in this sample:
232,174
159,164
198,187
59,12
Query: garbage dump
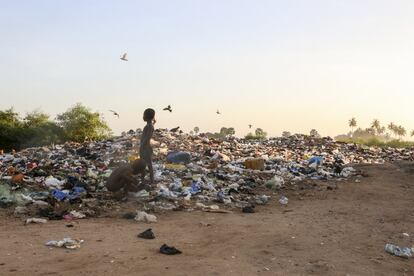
68,181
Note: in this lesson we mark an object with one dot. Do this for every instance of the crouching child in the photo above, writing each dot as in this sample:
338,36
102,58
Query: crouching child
121,181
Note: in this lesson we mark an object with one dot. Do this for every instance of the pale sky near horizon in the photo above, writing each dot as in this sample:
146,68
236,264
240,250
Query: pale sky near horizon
279,65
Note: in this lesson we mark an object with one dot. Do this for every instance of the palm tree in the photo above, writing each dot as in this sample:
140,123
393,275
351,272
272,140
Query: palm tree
401,131
376,125
381,130
392,128
396,131
196,130
352,124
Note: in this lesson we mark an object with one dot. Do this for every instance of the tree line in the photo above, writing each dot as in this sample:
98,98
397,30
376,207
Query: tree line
77,124
378,130
259,134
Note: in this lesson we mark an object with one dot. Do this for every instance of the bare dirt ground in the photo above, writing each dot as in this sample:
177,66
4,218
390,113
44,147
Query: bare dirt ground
340,231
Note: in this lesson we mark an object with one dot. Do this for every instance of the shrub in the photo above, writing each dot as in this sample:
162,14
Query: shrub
79,123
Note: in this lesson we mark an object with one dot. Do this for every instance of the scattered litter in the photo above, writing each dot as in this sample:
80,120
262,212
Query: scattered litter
35,220
275,183
77,215
53,180
283,200
144,217
68,243
403,252
262,200
205,207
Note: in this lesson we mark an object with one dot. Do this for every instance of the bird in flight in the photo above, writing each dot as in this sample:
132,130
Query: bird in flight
168,108
218,112
250,126
115,113
175,129
124,57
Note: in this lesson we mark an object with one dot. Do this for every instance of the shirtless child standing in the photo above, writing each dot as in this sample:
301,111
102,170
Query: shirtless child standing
145,149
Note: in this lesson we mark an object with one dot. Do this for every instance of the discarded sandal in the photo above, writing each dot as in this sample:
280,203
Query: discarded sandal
147,234
169,250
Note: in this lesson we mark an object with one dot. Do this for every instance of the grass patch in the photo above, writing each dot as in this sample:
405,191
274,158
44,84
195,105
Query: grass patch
375,142
254,137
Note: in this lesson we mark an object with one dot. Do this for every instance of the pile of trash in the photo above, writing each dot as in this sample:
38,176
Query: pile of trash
191,171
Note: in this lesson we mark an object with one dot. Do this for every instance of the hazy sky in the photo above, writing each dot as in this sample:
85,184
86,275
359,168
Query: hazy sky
279,65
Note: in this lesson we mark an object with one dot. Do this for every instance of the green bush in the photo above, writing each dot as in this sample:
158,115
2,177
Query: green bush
259,134
251,136
11,129
79,123
39,130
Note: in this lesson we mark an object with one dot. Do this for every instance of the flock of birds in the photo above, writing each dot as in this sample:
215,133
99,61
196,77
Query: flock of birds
168,108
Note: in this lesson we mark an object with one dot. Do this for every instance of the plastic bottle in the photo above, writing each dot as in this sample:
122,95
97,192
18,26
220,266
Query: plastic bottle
403,252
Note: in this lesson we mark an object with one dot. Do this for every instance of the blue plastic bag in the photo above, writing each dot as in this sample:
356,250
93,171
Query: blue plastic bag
179,157
76,193
315,160
59,195
195,188
220,195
